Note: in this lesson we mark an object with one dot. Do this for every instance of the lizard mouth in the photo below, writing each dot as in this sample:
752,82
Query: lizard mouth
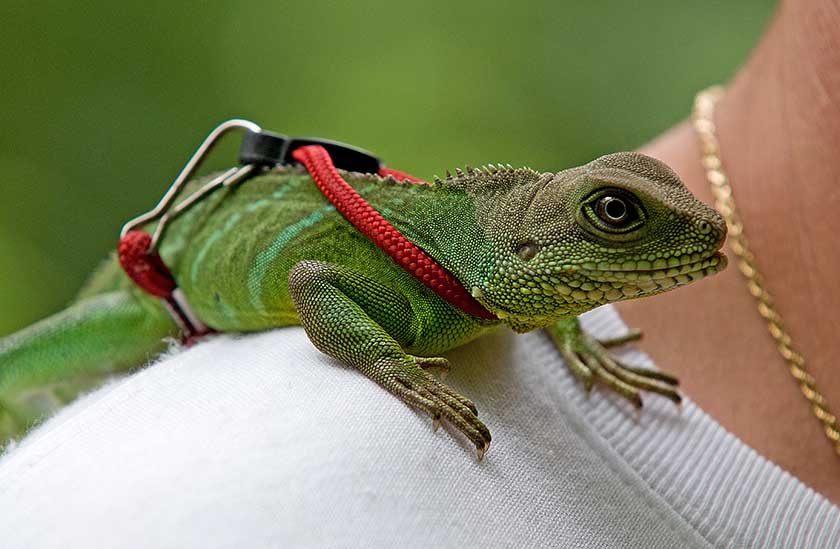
675,271
624,284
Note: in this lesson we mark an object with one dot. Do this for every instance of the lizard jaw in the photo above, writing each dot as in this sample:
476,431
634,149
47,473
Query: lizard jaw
611,286
681,271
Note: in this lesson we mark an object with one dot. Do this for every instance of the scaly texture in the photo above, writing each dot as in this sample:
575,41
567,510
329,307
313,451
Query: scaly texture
534,249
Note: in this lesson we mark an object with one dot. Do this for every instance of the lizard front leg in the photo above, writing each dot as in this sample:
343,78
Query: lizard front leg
589,360
366,324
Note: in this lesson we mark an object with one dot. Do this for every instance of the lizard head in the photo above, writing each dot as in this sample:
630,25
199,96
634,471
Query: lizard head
621,227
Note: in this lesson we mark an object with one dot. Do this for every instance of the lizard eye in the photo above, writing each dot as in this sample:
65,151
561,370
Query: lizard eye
613,211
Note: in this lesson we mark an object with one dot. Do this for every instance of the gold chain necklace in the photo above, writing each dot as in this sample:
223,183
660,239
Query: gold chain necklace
702,119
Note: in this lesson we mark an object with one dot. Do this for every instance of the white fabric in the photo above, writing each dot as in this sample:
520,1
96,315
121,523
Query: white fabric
261,441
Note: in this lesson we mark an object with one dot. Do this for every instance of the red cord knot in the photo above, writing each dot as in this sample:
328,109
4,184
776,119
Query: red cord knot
147,270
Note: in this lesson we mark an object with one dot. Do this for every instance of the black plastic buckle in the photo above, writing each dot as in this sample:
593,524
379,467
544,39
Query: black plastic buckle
266,148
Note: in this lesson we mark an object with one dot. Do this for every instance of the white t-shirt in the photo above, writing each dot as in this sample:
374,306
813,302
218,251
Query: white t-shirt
261,441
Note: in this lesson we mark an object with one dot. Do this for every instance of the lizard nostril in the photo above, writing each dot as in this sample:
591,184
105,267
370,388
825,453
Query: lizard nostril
704,227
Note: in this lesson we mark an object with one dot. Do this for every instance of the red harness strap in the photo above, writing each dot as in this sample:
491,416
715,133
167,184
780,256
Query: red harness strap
386,237
148,271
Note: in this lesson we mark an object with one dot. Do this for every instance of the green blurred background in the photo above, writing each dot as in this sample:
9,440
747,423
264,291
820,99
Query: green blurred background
101,103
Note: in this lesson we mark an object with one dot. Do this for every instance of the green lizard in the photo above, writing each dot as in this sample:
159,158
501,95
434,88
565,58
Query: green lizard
535,249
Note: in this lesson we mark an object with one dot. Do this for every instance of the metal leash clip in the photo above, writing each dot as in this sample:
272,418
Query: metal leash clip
259,150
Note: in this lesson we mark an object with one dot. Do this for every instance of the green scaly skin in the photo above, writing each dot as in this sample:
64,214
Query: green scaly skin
535,249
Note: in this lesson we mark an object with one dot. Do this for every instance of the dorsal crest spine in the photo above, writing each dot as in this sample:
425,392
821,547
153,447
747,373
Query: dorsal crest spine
488,177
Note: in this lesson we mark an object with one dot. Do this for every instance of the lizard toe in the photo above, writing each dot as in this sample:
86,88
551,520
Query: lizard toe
437,362
629,337
421,389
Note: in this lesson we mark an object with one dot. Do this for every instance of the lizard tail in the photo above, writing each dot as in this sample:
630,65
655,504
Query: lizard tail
48,364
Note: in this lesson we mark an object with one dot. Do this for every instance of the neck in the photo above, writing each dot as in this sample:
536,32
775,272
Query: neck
779,132
779,129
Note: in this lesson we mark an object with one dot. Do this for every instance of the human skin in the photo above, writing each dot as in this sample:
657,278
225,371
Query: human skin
779,132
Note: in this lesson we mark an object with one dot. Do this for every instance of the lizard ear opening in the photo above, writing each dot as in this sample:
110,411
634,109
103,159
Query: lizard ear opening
527,250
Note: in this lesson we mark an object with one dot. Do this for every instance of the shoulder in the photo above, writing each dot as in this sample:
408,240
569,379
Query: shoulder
262,437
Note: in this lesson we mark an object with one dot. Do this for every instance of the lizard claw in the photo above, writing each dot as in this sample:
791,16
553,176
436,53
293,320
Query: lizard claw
416,386
483,450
